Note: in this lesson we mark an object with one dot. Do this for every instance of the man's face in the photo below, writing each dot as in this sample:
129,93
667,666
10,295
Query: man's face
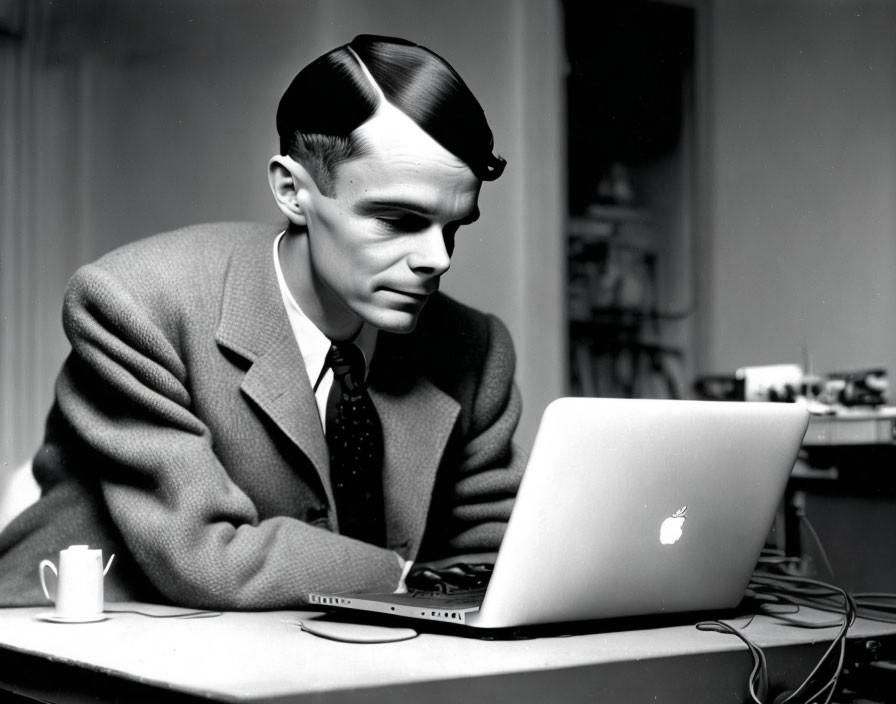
380,242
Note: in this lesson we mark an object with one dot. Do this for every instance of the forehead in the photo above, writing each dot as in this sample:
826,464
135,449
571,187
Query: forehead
402,162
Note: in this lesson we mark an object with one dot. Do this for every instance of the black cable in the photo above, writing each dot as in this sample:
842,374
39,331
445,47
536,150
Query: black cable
871,607
804,520
794,592
772,589
875,595
776,560
758,681
795,589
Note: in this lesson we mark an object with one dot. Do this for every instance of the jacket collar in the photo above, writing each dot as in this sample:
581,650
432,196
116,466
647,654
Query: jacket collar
417,417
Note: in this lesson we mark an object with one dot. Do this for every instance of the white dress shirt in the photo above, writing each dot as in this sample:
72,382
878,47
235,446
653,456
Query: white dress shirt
314,345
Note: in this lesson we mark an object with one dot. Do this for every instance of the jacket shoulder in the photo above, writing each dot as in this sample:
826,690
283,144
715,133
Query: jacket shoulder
445,319
459,337
183,249
172,275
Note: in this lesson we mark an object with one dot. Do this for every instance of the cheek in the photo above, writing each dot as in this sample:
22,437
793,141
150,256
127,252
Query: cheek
343,256
331,239
352,252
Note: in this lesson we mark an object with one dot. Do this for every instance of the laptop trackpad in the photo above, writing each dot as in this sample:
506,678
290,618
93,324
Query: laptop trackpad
356,632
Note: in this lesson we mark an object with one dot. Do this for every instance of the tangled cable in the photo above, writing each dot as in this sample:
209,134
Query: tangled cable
776,590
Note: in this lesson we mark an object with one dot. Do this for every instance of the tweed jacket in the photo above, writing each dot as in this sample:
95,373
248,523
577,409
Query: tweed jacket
185,437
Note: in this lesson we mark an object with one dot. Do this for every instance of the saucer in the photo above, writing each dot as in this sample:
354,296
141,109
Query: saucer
56,618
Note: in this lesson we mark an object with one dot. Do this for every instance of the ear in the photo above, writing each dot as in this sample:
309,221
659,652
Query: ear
291,185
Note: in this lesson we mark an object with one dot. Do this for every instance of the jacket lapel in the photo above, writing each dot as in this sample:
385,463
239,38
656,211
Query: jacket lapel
416,428
277,382
417,417
254,325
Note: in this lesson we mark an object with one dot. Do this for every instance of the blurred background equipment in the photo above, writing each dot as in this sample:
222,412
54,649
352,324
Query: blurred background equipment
630,101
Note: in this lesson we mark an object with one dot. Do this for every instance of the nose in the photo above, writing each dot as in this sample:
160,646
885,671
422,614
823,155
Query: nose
431,255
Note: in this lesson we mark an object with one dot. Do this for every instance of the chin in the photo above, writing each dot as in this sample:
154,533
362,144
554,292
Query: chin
398,322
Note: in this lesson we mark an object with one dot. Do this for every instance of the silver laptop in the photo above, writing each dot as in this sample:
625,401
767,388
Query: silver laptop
627,507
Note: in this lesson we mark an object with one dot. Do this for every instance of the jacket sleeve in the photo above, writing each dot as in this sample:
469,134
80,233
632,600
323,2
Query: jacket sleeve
480,486
195,534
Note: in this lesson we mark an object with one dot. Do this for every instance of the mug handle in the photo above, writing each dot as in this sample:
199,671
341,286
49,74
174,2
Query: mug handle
43,583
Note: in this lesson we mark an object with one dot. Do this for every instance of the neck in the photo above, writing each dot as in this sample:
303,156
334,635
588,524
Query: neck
317,301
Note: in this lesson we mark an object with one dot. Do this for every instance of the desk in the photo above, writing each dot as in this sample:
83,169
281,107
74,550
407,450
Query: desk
264,657
843,485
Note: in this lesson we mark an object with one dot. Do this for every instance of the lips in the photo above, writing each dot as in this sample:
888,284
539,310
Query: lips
416,295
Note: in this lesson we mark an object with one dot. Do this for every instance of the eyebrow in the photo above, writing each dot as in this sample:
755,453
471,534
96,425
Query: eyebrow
370,206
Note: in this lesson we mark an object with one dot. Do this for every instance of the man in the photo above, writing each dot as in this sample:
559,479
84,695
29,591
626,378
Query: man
248,415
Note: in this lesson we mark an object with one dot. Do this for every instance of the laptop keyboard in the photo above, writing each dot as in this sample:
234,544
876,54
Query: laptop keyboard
459,578
435,600
459,586
456,586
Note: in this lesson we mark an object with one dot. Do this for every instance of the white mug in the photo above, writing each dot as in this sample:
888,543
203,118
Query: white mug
79,585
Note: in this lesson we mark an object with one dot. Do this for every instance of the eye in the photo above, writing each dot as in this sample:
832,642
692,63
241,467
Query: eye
404,223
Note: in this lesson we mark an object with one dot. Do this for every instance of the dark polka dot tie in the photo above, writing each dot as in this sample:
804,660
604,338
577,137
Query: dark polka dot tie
355,439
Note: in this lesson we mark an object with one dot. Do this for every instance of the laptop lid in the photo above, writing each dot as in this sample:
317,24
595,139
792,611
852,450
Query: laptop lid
630,507
634,507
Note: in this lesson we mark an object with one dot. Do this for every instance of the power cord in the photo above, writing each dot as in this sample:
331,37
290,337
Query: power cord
776,591
804,521
878,606
796,592
758,681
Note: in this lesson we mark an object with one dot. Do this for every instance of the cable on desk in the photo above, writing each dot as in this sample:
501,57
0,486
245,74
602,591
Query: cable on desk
777,590
804,521
873,606
188,614
770,590
802,591
758,681
877,606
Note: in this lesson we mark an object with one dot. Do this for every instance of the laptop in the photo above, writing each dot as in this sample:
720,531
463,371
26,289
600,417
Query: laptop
628,507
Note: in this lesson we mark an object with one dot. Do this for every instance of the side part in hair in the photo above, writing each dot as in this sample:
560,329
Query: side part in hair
333,96
325,103
427,89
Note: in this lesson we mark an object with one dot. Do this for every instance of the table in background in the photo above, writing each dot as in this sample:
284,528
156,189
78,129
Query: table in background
266,657
842,486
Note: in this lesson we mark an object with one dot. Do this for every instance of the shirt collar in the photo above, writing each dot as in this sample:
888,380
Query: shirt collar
313,344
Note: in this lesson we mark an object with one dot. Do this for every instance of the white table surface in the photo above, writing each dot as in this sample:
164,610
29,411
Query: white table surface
241,655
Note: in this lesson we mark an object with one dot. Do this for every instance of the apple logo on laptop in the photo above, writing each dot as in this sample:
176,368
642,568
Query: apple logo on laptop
670,530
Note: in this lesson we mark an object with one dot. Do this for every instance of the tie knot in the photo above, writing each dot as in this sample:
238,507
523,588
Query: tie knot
345,358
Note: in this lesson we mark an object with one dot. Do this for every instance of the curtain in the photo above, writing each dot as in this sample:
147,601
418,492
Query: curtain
43,54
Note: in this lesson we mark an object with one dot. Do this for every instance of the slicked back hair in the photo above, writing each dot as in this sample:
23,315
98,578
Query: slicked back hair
332,96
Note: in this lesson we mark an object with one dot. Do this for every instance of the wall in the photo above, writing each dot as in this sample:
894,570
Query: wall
802,226
800,235
133,118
